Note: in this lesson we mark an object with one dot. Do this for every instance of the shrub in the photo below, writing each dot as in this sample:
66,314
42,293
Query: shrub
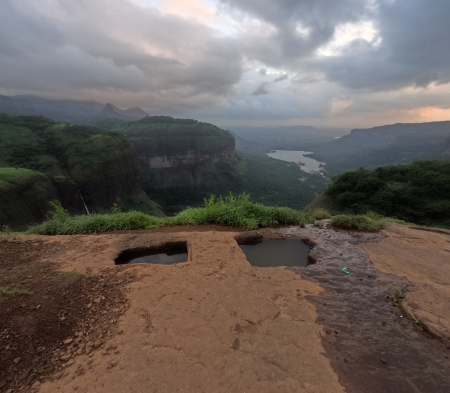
239,212
233,211
317,214
357,222
63,224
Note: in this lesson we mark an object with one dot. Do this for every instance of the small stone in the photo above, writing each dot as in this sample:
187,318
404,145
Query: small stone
90,344
79,351
97,344
63,318
35,385
88,350
68,341
17,360
9,391
38,307
69,363
383,361
89,305
65,358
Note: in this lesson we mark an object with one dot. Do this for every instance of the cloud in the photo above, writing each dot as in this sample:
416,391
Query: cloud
261,89
282,78
114,49
339,59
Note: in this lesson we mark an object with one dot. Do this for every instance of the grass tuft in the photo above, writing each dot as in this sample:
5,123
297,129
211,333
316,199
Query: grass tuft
11,292
232,211
357,222
238,212
317,214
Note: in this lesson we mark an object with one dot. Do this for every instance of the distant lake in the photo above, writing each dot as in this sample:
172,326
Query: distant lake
297,157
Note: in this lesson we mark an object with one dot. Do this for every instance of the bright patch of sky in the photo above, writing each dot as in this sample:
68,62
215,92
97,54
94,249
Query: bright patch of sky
347,33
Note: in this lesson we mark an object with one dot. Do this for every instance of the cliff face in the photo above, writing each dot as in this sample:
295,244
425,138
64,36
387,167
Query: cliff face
24,197
179,152
86,166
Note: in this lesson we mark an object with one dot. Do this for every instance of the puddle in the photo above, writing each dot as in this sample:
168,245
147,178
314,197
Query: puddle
288,252
168,254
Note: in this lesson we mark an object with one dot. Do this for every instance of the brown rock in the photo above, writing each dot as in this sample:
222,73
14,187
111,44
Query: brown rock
97,344
90,344
38,307
69,363
35,385
17,360
88,350
68,341
65,358
89,305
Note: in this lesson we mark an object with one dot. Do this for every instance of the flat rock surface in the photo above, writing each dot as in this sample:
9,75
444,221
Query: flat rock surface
217,324
424,258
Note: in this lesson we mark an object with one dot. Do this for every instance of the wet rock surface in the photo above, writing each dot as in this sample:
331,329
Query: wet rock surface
372,345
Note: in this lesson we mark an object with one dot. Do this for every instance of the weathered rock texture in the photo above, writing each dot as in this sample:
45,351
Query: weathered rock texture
178,152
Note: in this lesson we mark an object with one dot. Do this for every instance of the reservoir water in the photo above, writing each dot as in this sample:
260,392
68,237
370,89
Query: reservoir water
288,252
166,254
307,164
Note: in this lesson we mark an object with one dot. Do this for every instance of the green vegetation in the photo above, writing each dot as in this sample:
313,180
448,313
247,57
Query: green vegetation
358,222
238,212
11,292
41,160
24,196
398,297
269,181
95,223
418,193
163,135
233,211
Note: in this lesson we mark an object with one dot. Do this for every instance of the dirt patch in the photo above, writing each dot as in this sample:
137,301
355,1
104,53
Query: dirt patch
373,345
33,328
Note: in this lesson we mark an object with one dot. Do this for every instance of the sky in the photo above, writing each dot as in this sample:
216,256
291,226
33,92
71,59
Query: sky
325,63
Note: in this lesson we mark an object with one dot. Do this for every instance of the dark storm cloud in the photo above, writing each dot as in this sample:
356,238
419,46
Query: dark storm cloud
113,46
301,26
414,48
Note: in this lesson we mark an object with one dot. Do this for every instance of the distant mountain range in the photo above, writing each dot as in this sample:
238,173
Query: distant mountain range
393,144
68,111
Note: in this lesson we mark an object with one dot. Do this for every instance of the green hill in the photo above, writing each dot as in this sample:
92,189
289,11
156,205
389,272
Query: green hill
79,162
418,193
